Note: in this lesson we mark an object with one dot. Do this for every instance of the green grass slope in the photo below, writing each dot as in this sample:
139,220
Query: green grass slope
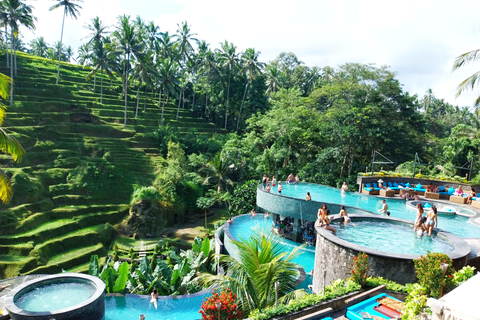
81,164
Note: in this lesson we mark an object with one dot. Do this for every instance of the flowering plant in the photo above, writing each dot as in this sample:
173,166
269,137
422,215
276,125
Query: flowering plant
431,275
360,269
228,310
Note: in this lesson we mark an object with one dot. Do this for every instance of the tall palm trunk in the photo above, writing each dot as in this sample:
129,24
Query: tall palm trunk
145,100
11,74
241,106
6,43
15,52
193,102
163,108
138,99
101,85
228,96
206,102
180,97
60,48
94,81
126,90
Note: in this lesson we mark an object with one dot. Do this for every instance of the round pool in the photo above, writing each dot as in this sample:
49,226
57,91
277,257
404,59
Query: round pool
390,244
62,296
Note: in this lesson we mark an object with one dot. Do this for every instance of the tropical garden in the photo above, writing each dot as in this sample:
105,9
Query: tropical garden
151,129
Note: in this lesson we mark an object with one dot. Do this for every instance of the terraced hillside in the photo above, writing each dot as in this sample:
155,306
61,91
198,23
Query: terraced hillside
80,168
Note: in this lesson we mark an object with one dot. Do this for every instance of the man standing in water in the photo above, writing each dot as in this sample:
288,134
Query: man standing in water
384,209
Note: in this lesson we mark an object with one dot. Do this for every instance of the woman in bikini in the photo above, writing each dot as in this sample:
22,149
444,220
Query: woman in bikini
344,214
432,220
290,178
325,221
419,215
470,195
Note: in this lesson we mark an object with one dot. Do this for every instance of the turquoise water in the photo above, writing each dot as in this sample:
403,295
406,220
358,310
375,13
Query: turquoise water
245,226
131,307
377,235
55,297
455,224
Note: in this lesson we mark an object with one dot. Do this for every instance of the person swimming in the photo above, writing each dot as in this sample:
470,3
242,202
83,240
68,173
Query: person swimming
344,214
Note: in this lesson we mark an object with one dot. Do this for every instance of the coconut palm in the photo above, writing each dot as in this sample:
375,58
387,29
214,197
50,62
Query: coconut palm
185,49
261,263
142,70
228,59
252,67
18,14
97,30
168,79
154,37
4,23
69,8
83,56
168,46
39,47
470,82
59,51
8,144
209,68
129,44
217,172
273,78
102,61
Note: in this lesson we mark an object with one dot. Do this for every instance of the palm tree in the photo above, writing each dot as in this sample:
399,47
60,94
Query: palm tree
102,61
168,79
228,59
39,47
217,171
184,39
59,51
167,50
273,78
261,263
97,30
154,37
8,144
208,67
4,23
84,55
128,43
142,70
252,67
69,8
470,82
18,14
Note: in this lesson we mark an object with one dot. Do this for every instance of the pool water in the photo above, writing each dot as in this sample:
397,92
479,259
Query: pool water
245,226
55,297
131,307
377,235
455,224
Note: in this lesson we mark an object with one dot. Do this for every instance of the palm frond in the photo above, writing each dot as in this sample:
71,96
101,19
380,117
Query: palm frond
468,83
6,192
10,145
465,58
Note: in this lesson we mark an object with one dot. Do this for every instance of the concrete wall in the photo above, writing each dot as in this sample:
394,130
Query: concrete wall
296,208
336,257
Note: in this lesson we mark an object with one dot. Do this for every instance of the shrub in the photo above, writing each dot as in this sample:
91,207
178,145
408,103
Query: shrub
244,198
146,193
229,309
415,303
463,275
360,269
431,276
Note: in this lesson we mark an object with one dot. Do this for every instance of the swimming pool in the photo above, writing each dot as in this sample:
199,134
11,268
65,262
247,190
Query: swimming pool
456,224
245,226
132,306
378,236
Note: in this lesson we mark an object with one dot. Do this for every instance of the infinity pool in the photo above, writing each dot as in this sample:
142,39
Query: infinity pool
455,224
131,307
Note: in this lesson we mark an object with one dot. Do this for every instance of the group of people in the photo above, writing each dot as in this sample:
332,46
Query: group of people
425,224
324,219
267,184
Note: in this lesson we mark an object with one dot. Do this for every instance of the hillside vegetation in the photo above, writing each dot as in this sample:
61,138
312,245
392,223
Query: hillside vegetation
81,164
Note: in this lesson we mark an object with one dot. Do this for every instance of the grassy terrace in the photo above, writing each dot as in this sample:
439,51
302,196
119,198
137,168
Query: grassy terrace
81,164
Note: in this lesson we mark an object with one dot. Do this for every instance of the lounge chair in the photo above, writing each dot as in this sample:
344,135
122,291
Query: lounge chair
368,189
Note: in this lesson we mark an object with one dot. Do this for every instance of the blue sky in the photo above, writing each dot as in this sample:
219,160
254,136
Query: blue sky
418,39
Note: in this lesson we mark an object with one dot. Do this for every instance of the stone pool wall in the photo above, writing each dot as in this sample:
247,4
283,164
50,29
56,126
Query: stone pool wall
334,257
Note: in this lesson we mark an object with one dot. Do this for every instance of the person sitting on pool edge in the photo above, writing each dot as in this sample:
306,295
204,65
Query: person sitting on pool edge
324,221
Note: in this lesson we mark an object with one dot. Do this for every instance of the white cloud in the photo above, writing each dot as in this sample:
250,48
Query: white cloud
418,39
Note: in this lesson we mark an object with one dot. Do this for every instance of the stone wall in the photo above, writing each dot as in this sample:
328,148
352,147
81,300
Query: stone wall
335,256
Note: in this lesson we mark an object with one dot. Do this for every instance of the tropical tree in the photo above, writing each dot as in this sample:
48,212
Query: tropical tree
39,47
129,43
228,59
97,30
168,79
18,14
252,67
184,42
69,8
8,143
261,263
209,68
4,23
217,172
273,78
103,61
472,81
